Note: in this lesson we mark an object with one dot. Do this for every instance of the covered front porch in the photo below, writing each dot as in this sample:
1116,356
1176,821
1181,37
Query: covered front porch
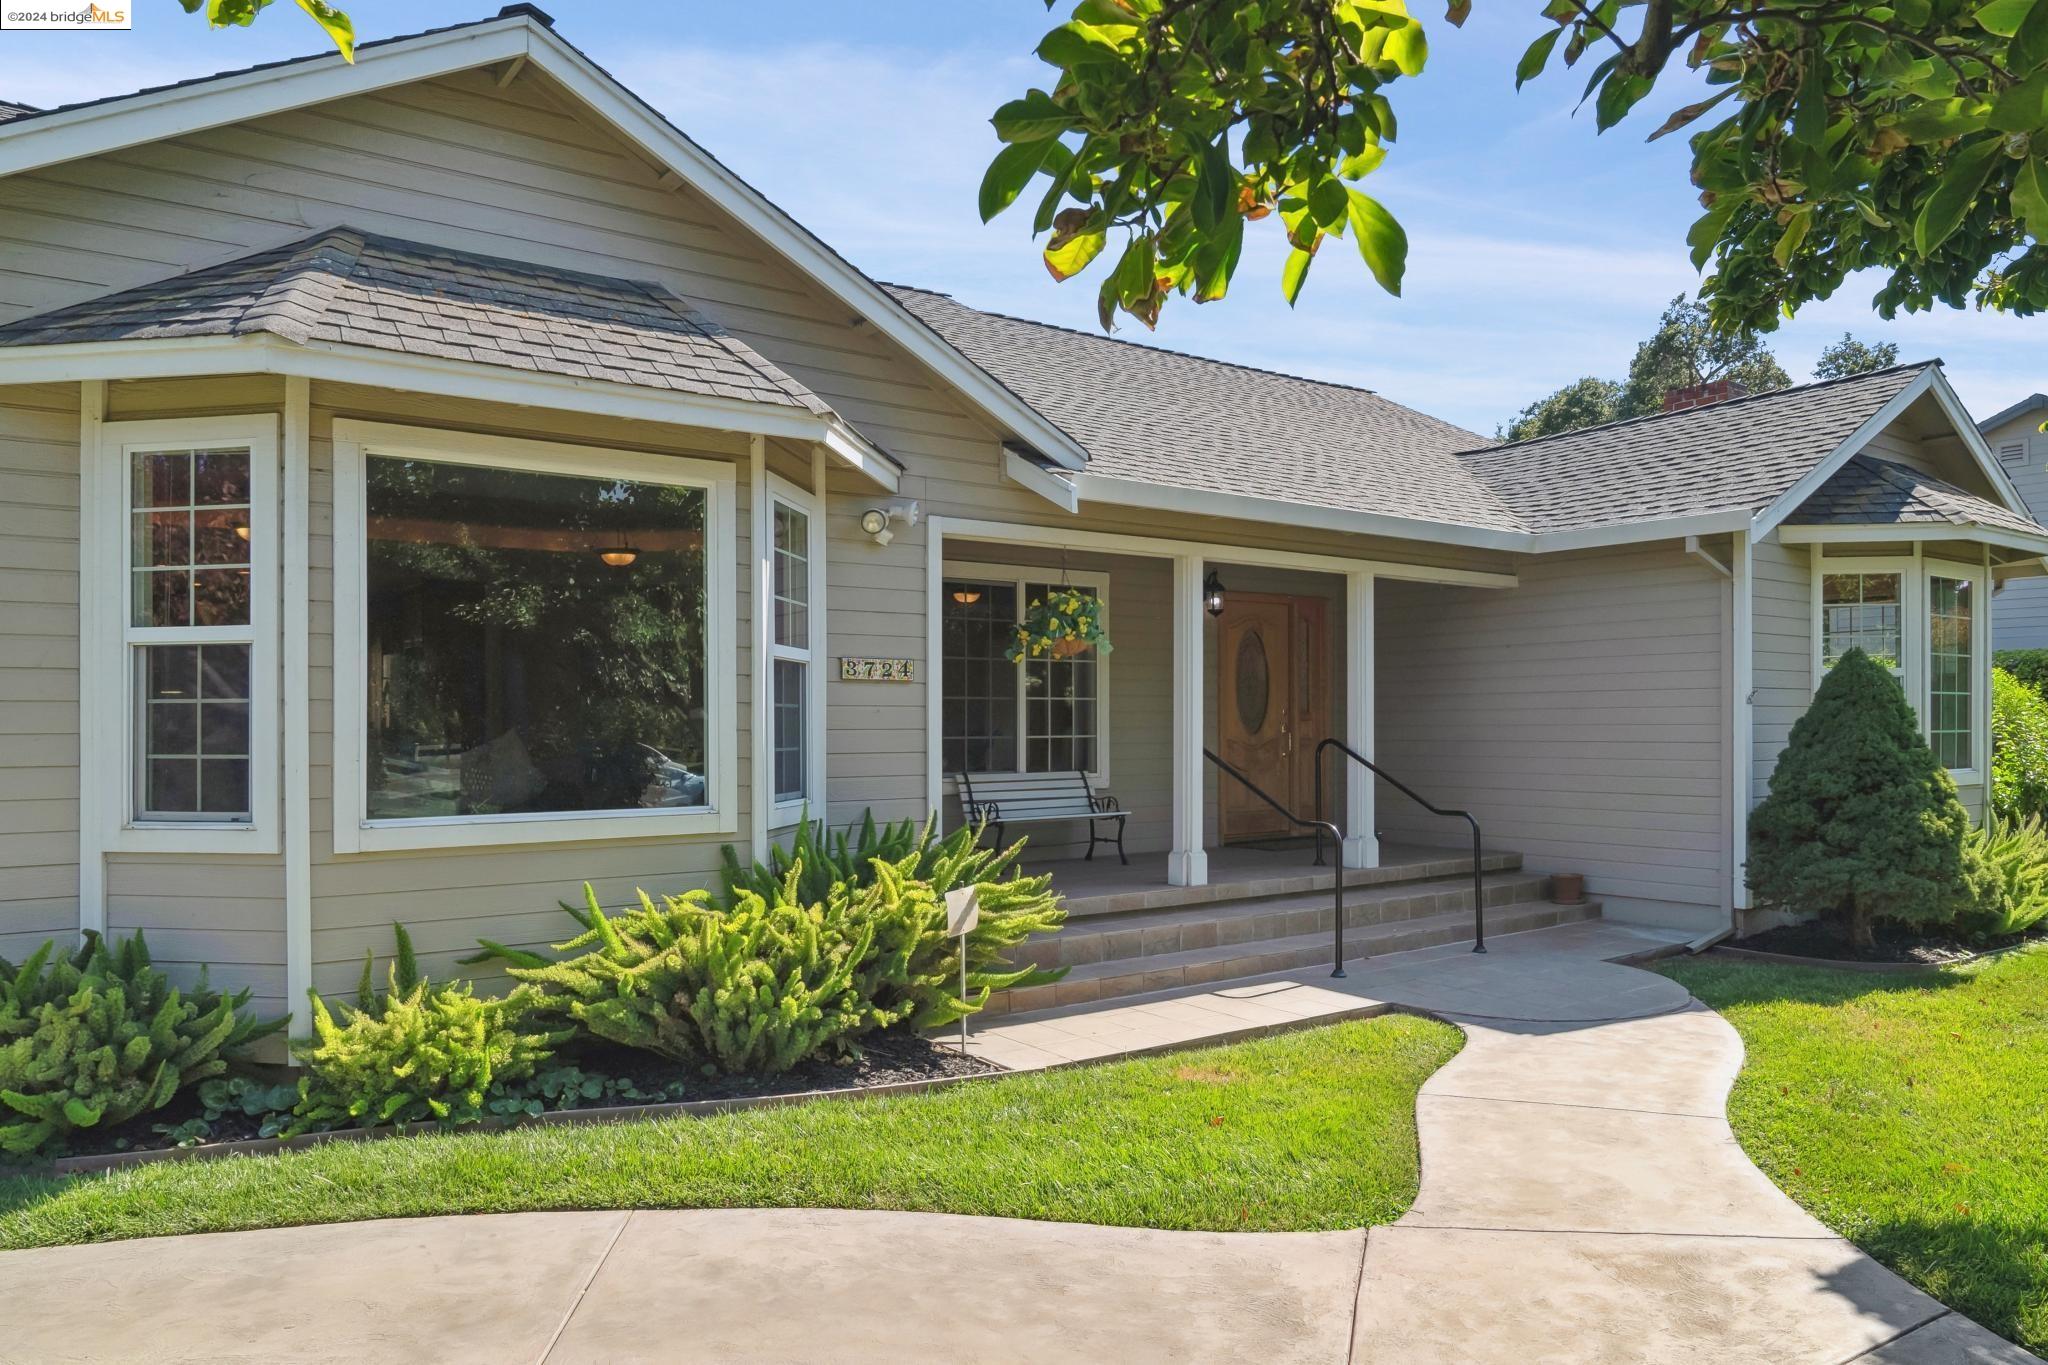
1249,656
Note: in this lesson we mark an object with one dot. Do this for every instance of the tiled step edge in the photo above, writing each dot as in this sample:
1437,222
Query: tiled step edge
1203,966
1306,879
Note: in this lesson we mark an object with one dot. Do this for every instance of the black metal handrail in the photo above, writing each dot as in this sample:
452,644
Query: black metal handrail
1478,883
1337,944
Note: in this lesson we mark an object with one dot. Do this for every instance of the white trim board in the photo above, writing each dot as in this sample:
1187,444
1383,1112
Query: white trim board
1897,532
354,441
150,116
187,357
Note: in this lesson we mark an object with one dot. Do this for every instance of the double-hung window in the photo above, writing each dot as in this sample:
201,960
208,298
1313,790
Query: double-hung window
796,584
1045,714
1922,620
530,641
191,687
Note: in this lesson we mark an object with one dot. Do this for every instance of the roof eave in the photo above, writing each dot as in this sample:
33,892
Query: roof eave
1866,533
1099,488
199,357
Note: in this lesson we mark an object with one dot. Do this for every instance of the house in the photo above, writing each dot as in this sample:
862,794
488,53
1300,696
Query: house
432,483
2020,609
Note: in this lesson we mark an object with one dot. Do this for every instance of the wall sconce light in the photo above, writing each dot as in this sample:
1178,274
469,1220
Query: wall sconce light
875,522
967,597
1212,594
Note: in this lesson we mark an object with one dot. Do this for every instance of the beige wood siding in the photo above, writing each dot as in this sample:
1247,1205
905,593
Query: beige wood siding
1782,606
38,666
1581,718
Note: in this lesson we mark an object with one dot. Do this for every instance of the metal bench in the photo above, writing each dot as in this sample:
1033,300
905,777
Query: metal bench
1032,798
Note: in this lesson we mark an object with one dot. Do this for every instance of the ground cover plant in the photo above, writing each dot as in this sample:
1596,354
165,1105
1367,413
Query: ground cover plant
1909,1114
1313,1129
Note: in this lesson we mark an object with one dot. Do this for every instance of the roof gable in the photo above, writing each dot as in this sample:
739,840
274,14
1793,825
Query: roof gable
48,137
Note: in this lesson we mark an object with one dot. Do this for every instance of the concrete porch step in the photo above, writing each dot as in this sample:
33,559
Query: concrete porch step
1090,897
1147,933
1115,978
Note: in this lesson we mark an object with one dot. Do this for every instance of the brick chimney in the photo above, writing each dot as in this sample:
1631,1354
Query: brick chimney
1699,395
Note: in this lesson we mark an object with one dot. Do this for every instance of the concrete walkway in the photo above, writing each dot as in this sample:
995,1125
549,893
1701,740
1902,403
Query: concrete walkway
1582,1200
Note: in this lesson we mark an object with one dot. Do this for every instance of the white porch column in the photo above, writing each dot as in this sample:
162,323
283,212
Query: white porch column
1361,842
1188,863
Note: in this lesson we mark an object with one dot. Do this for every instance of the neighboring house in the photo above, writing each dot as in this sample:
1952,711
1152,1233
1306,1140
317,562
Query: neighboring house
431,483
2020,609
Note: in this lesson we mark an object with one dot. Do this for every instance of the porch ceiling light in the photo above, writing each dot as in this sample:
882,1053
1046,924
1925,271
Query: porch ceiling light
1212,594
619,555
967,597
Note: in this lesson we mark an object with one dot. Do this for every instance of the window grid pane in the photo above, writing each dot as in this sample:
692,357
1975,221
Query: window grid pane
1862,611
789,730
1059,704
980,699
792,577
194,726
189,526
1949,654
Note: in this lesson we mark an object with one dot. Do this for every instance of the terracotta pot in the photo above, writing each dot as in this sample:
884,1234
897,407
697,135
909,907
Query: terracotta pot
1567,888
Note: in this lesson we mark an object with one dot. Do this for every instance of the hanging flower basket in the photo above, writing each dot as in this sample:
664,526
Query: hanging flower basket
1063,623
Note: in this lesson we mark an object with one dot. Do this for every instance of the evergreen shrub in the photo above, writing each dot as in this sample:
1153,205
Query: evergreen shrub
2019,747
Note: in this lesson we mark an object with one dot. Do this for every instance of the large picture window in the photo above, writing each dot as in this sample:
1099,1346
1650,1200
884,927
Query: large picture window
1037,715
1917,618
536,640
193,516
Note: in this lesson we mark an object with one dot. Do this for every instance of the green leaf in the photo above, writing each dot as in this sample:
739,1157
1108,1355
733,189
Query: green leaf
1010,172
2030,196
1810,112
1071,257
1689,113
1215,187
1407,48
1035,116
1706,232
1941,119
1216,259
2024,108
1328,202
1789,240
337,26
1076,44
2003,17
1954,189
1533,60
2030,39
1622,93
80,1114
1293,272
1380,241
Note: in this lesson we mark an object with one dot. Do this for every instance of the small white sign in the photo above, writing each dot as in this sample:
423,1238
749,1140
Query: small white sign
963,911
65,14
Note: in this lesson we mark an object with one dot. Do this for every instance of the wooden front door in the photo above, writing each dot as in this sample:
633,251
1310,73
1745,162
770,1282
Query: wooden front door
1272,706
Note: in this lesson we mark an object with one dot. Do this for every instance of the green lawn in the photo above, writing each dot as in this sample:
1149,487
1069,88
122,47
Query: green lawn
1306,1130
1909,1114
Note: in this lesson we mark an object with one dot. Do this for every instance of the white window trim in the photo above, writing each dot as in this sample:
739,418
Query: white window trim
109,747
1020,575
788,812
354,441
1914,571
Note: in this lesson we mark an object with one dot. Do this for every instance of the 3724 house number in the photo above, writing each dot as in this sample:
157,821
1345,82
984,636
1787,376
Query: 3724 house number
877,670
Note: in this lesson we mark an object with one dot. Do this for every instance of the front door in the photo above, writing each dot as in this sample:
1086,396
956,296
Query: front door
1272,666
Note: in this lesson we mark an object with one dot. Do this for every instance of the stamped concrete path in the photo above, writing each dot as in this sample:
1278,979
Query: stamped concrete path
1582,1200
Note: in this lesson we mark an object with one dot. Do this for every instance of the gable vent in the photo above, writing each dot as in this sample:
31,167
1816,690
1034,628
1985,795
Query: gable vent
2012,452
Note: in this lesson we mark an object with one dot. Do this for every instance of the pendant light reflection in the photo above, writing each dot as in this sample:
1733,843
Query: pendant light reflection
966,597
619,555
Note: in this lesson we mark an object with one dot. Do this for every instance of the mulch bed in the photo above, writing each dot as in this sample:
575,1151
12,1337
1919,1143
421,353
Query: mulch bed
890,1058
1895,944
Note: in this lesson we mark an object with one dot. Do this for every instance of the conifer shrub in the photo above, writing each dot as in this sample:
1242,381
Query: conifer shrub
2019,747
1862,823
414,1051
96,1037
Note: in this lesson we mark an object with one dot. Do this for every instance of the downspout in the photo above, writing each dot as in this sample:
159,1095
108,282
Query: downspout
1741,699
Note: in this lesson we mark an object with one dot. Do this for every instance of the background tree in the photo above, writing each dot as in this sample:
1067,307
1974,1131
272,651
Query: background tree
1849,356
1686,349
1583,403
1862,822
242,13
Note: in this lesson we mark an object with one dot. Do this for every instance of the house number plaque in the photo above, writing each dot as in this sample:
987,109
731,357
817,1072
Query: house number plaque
877,670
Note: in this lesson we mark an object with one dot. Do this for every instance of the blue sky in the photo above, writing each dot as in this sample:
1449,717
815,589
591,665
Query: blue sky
1540,251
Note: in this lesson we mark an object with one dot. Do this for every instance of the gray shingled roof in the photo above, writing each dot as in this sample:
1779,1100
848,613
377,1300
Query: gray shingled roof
10,111
1163,417
353,288
1869,491
1160,417
1739,455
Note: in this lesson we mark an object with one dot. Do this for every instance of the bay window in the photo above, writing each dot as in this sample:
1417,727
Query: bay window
1042,714
194,650
527,640
1919,618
